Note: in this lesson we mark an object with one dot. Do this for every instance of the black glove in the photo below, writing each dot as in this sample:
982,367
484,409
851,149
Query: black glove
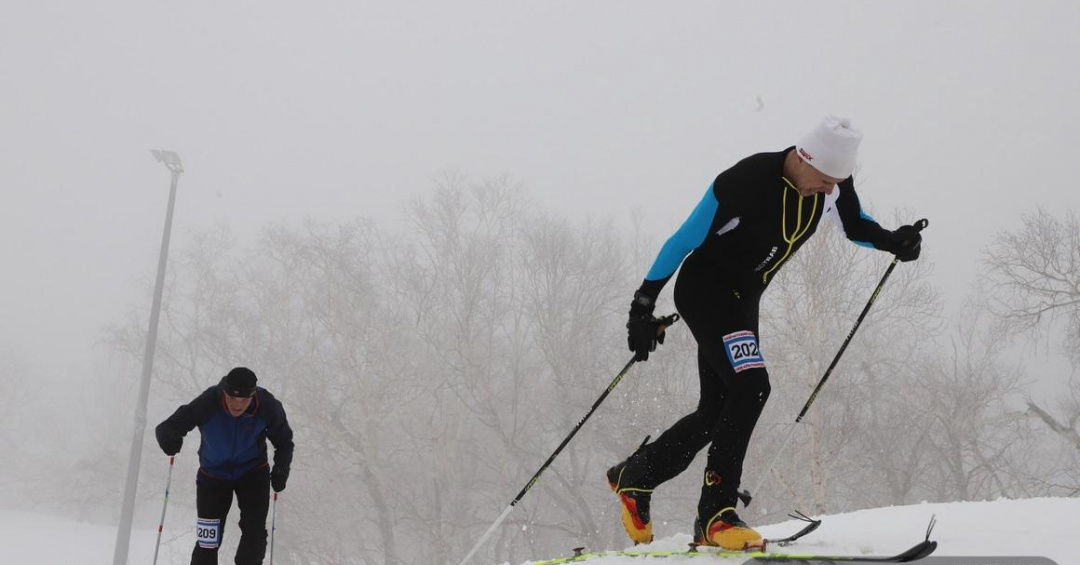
278,477
642,328
906,243
171,446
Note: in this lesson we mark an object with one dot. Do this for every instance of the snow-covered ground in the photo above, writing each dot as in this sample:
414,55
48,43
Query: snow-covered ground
33,539
1045,527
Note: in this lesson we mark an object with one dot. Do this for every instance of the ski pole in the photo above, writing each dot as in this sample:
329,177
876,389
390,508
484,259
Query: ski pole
161,524
745,495
663,323
273,528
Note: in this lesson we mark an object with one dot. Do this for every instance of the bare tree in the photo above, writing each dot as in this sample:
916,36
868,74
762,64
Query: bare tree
458,284
968,411
806,315
1034,281
1067,430
1051,471
574,280
1034,275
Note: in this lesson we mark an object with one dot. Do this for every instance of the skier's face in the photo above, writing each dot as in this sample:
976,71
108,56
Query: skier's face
810,181
237,404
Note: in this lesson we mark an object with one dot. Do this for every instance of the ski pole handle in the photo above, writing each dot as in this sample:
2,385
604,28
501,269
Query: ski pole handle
919,226
665,323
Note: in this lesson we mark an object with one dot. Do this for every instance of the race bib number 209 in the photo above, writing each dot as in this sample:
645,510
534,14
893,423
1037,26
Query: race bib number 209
209,533
743,351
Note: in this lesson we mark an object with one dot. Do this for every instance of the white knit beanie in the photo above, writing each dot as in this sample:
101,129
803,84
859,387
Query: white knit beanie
831,147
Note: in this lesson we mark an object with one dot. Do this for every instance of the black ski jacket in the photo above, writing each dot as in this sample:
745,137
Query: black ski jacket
751,221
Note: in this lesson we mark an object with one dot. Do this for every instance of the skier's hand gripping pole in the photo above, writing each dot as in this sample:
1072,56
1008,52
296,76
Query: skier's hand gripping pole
746,495
661,326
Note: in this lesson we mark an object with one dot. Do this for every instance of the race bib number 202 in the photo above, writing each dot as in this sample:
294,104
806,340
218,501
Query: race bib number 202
743,351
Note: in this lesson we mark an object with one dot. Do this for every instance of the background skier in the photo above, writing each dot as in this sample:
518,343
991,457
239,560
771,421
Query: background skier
235,418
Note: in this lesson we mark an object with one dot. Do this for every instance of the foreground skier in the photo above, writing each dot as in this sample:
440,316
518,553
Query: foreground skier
753,218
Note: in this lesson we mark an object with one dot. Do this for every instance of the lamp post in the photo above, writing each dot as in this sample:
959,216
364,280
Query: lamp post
123,534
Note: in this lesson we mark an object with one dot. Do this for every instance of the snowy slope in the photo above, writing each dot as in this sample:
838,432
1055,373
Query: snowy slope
1045,527
32,539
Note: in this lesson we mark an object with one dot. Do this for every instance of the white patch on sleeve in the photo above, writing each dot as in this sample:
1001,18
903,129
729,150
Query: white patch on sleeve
734,223
208,533
743,351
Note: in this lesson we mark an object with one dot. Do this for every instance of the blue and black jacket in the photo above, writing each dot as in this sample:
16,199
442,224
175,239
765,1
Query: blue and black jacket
232,447
751,221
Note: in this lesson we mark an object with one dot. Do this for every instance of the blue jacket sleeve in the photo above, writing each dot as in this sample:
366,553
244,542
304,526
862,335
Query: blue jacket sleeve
689,237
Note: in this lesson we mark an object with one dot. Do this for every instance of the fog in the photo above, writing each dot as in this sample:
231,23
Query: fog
603,109
611,115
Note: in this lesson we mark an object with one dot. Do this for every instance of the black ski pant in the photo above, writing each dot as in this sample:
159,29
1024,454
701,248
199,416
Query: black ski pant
213,498
734,389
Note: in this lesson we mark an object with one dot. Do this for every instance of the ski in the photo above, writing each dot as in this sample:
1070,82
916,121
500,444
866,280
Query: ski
914,553
784,542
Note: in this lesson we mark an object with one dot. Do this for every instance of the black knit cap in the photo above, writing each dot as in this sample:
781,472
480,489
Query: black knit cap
239,382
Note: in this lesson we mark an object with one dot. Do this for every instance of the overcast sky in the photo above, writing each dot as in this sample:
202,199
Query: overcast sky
282,110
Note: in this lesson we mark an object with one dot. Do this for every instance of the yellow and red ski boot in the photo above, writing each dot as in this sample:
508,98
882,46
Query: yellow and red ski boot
727,531
635,506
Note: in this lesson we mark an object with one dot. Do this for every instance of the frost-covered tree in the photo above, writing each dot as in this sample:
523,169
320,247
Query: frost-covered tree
969,411
849,440
1033,277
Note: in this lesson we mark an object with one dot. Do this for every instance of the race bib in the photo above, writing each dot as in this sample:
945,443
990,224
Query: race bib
208,533
743,351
